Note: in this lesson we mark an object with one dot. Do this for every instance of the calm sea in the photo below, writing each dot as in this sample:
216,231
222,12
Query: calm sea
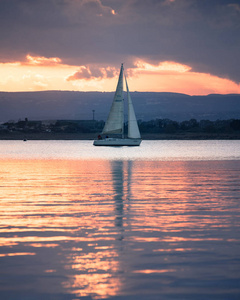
159,221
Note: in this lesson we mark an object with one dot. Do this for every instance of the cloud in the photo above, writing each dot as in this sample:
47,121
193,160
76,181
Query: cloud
83,73
161,67
203,35
158,77
93,72
235,6
41,60
171,76
163,76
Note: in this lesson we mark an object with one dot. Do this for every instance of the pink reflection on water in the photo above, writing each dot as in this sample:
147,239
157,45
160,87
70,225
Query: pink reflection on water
97,278
101,221
98,286
152,271
17,254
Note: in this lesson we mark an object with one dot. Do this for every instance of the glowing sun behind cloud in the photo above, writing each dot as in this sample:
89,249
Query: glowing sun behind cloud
170,76
41,73
41,60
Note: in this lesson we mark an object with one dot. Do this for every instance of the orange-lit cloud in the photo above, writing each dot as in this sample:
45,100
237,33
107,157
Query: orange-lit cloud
235,6
165,66
42,61
38,73
171,76
35,74
89,73
184,32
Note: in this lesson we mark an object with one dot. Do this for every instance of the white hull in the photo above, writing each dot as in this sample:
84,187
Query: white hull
117,142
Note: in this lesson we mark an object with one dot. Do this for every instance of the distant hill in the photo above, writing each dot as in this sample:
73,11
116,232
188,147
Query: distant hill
79,105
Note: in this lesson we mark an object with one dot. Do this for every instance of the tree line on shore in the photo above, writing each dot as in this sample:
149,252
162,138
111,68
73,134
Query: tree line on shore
204,126
159,126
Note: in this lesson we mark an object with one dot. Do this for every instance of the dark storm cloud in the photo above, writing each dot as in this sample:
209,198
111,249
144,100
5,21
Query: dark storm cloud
200,33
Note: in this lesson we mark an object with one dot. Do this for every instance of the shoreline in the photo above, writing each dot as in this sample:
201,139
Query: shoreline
92,136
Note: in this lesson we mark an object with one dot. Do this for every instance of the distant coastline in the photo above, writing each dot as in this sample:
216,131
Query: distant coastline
69,105
145,136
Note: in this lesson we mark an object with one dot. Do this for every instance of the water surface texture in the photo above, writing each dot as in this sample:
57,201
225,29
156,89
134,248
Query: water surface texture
82,222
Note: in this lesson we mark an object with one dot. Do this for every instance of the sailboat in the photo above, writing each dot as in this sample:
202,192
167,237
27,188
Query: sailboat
113,130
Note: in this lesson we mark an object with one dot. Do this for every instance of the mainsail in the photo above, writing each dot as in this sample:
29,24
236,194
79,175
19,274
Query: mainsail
115,121
133,131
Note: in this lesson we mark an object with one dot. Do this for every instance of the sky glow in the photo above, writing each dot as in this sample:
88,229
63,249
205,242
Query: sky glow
41,73
166,45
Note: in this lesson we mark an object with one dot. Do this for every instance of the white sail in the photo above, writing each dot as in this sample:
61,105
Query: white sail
115,122
133,130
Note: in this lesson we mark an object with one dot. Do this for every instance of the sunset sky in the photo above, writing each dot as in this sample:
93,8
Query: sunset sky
185,46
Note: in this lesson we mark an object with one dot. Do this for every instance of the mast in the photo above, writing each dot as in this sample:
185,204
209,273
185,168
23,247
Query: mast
123,104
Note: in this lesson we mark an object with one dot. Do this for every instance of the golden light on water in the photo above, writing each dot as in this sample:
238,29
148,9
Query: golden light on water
147,271
17,254
98,268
